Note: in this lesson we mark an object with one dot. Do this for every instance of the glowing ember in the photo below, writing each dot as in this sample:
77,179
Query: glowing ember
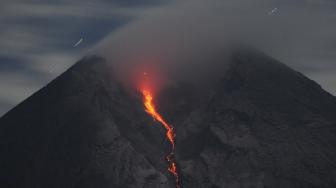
170,134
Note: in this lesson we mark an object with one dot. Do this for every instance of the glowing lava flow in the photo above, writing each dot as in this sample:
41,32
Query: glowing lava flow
170,134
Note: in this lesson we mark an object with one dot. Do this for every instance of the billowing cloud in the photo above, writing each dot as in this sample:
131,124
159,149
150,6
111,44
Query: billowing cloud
299,33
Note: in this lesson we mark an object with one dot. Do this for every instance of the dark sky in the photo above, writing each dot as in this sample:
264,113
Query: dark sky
38,37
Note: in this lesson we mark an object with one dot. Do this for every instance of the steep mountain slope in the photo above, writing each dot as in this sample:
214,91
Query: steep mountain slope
81,130
261,125
265,125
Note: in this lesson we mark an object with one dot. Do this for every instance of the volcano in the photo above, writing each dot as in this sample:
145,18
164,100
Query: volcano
261,124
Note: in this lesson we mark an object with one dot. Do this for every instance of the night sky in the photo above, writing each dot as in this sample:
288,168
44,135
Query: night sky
38,37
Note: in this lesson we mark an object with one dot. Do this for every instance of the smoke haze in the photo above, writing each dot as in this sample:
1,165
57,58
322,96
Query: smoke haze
191,39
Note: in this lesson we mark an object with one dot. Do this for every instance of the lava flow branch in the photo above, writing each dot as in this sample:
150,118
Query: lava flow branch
170,133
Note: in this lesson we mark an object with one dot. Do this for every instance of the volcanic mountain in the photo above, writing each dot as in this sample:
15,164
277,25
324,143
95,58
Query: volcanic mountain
261,125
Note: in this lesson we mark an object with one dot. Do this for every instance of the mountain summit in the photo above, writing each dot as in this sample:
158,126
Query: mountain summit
261,125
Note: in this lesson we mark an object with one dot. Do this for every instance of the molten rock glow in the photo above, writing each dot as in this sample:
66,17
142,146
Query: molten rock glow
170,134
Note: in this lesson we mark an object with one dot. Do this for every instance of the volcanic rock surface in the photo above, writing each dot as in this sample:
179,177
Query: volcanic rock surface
261,125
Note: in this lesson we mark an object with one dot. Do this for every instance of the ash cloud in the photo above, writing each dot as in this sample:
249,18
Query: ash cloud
180,39
181,36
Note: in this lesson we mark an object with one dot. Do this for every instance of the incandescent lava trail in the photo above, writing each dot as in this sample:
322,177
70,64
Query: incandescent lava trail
170,133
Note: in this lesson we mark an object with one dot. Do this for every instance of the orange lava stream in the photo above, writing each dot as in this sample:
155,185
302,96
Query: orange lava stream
170,134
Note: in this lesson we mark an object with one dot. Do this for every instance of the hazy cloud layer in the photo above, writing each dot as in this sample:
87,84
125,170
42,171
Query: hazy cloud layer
299,33
37,37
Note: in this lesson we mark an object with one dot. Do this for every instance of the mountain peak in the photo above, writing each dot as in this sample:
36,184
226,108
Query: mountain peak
262,125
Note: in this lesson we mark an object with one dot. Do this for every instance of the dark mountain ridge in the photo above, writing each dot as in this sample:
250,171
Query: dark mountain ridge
262,125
